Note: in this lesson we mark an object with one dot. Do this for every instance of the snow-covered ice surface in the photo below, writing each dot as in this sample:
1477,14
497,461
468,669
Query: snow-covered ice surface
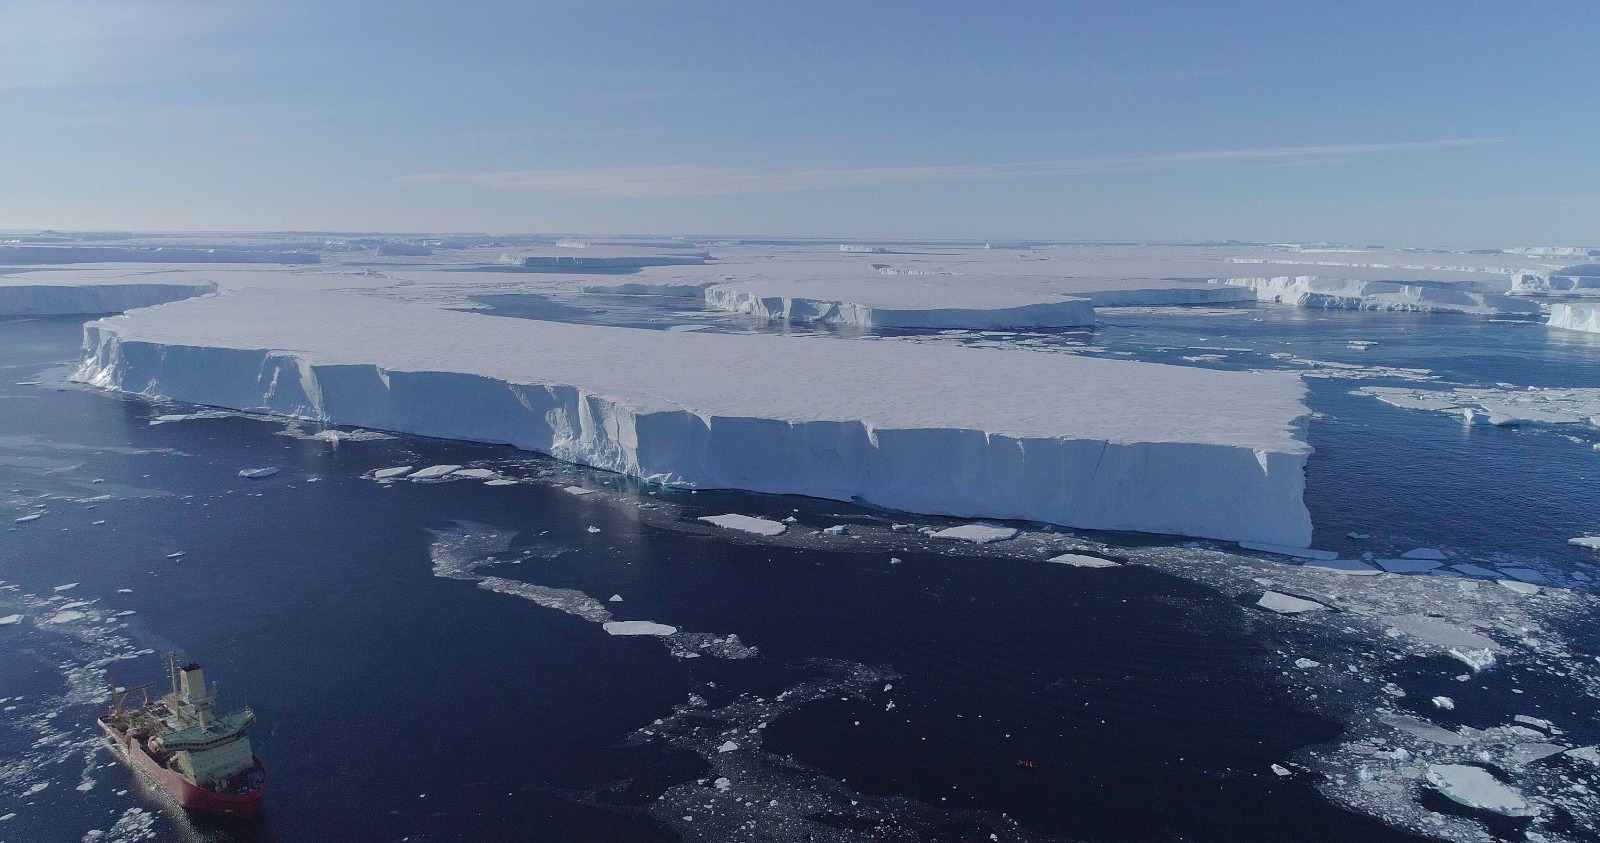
1112,445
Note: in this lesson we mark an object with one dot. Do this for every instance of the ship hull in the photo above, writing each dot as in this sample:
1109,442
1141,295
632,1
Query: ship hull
188,795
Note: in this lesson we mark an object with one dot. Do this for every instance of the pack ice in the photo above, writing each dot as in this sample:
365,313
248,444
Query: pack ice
1084,442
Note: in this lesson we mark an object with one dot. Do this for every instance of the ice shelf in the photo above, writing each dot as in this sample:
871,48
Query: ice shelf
1084,442
21,295
1576,317
1356,294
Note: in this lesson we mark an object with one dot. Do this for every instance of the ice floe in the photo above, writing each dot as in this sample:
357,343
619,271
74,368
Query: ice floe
638,628
1285,604
976,533
258,473
1476,787
1079,560
746,524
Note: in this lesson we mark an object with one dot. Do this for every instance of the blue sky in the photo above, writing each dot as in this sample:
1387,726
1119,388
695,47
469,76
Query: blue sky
1461,124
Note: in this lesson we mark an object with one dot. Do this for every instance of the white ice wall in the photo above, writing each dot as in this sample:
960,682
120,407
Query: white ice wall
21,299
1049,314
1229,462
1576,317
1354,294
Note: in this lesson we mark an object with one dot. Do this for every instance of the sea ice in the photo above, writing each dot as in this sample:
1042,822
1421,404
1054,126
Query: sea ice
397,471
8,620
638,628
475,473
1478,660
1285,604
976,533
1078,560
1475,787
1423,553
746,524
433,472
1406,566
1306,664
257,473
1519,587
1343,566
1285,550
1444,702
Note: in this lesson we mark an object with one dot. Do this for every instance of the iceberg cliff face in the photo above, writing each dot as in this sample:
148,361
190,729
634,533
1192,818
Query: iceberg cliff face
1355,294
1576,317
1063,313
1100,444
24,299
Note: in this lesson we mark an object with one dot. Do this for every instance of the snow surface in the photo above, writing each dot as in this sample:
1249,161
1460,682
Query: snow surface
1093,443
746,524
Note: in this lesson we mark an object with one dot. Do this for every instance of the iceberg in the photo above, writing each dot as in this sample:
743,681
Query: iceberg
1285,604
1477,788
1012,434
899,303
1576,317
1356,294
638,628
976,533
746,524
22,296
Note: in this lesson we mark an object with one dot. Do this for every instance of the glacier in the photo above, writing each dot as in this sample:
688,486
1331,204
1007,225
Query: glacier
1357,294
20,296
1077,441
1572,316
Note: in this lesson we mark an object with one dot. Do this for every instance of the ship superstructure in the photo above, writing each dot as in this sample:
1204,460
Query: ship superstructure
202,759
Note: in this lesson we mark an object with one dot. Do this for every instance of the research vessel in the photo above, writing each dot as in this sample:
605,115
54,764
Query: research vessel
201,759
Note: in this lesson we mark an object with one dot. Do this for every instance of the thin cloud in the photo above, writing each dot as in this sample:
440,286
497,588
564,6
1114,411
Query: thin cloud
692,181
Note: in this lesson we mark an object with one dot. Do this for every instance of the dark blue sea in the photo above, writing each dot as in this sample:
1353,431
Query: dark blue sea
944,695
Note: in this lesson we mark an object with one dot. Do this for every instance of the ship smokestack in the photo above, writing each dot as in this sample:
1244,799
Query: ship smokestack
192,683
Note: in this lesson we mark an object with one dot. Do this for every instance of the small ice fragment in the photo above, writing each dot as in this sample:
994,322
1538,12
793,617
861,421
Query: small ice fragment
30,518
433,472
1078,560
96,523
1475,787
615,598
1591,542
1284,604
1471,570
976,533
1355,536
8,620
124,591
176,554
835,530
1519,587
1280,770
1407,566
66,617
790,519
5,818
592,529
475,473
37,788
745,524
504,481
894,560
1539,722
1423,553
1590,754
577,491
68,587
1306,664
1478,660
1285,550
1343,566
1444,703
257,473
396,471
638,628
722,784
728,746
899,528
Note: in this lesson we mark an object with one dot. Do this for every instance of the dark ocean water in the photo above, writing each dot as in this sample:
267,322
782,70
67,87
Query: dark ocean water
396,704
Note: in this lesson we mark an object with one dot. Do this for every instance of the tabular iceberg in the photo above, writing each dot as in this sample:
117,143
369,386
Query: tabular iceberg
1356,294
20,297
900,304
1094,443
1576,317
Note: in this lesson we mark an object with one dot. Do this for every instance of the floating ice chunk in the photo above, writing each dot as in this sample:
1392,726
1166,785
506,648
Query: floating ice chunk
8,620
257,473
1444,703
5,818
66,617
1524,574
835,530
1527,753
976,533
615,598
577,491
1306,664
722,784
38,787
433,472
1591,542
30,518
475,473
176,554
1285,604
728,746
396,471
1285,550
1420,728
1475,787
591,529
1423,553
745,524
1519,587
1590,754
1440,633
67,587
124,591
1538,722
638,628
1355,536
1280,770
1472,570
1078,560
1343,566
1407,566
1478,660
